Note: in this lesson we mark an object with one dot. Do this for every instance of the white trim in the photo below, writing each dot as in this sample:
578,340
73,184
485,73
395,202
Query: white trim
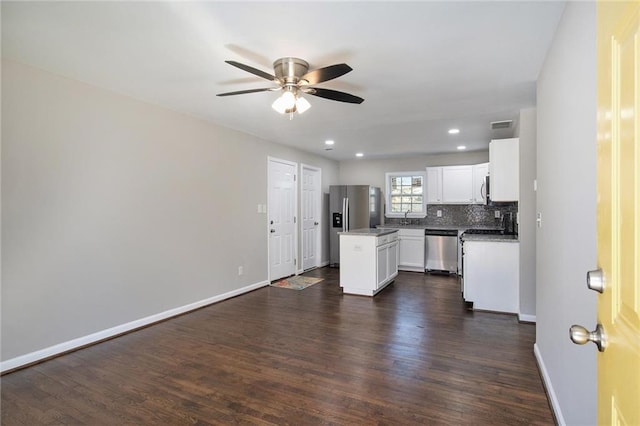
295,209
323,264
526,318
318,215
387,194
553,399
69,345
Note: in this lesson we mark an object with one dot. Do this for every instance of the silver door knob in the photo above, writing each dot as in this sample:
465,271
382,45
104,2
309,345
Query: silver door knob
580,335
595,280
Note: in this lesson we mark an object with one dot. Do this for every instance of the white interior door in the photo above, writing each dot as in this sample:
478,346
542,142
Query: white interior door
282,218
311,197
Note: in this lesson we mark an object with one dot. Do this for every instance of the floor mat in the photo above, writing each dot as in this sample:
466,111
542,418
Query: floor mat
297,282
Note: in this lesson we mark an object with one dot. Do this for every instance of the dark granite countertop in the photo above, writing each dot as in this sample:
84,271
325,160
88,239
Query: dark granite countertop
490,237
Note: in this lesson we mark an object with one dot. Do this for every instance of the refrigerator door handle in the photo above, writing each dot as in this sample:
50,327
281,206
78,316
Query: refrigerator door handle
346,214
344,219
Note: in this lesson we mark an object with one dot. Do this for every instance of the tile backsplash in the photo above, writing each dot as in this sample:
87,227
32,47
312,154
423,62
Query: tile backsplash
461,215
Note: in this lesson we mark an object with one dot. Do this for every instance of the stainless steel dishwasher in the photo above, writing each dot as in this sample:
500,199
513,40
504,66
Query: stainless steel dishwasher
441,250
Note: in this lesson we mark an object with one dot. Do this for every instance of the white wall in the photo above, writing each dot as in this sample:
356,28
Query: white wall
527,213
371,172
566,197
115,209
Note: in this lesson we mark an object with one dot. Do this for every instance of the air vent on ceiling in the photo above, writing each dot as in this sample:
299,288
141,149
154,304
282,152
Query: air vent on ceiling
505,124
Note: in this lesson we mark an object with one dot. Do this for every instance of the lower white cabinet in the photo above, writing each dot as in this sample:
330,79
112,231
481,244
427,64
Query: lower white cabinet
367,263
387,263
411,250
491,275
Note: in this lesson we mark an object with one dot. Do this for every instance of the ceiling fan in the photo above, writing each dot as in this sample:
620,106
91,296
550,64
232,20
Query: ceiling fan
293,78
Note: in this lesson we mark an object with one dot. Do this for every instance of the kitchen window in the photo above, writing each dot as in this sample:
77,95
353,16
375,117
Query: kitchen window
405,194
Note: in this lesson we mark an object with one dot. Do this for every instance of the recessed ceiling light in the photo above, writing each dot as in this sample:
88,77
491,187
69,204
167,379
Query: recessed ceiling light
454,131
461,148
329,142
359,154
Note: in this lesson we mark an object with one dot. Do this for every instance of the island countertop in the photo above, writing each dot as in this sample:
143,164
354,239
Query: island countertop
371,232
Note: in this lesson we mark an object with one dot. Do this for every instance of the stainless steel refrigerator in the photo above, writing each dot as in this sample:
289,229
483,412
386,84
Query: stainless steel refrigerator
351,207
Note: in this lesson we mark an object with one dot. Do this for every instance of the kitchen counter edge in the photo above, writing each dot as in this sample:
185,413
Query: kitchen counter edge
372,232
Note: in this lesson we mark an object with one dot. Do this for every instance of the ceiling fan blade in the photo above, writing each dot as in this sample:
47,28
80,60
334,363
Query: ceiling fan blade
242,92
335,95
327,73
252,70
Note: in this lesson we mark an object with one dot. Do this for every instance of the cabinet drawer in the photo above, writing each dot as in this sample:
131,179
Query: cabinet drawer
384,239
411,233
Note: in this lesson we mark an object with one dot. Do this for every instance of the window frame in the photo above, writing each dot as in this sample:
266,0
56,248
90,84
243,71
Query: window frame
388,177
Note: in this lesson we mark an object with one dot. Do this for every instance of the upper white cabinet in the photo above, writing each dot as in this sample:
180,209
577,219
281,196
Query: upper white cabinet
449,185
480,172
457,187
434,185
504,169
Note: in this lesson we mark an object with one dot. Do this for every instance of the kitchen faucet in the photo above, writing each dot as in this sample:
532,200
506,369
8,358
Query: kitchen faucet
406,221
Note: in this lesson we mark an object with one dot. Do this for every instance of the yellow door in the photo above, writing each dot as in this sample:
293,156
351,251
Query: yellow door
619,211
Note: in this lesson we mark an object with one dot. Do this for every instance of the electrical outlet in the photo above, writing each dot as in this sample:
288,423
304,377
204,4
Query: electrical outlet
496,214
439,213
259,208
240,270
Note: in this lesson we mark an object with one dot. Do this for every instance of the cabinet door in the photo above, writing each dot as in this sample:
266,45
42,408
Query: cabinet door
382,265
434,185
480,172
457,185
411,252
392,260
504,169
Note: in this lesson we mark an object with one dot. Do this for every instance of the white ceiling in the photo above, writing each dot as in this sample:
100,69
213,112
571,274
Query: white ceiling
422,67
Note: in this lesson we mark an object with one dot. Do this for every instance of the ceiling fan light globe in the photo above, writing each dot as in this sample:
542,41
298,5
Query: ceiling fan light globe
288,99
279,105
302,105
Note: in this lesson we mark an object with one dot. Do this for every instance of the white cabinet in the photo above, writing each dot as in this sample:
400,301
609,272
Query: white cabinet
411,250
392,262
457,185
368,263
504,169
434,185
491,275
480,172
450,185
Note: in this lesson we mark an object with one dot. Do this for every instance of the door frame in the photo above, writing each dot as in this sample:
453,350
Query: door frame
295,214
304,166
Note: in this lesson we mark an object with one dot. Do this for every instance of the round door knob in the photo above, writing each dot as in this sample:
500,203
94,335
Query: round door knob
316,223
580,335
272,231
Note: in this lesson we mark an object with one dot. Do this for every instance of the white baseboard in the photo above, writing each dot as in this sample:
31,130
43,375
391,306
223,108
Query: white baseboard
555,405
60,348
323,264
526,318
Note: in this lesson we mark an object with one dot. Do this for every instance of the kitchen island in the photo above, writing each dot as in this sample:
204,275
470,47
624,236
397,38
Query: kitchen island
368,260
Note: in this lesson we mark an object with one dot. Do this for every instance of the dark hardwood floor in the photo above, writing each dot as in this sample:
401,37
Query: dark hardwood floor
411,355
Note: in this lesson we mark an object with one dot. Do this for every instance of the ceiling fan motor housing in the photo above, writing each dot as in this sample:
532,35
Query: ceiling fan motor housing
289,70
